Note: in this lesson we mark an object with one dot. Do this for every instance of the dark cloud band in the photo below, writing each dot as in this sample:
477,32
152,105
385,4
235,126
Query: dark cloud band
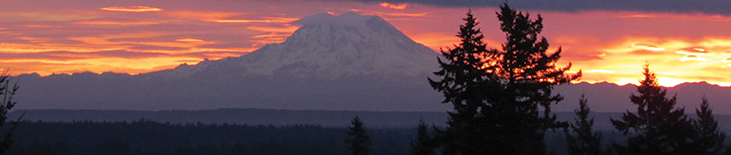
672,6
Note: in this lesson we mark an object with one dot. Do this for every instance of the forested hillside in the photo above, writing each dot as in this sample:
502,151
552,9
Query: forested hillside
147,137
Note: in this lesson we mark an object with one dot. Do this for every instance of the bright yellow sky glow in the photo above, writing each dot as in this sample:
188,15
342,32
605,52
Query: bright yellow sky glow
144,36
133,9
394,6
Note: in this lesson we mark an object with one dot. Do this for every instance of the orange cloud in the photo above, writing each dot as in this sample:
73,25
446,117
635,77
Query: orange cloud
692,58
268,41
115,23
93,40
435,40
41,26
6,47
189,40
104,41
287,29
200,49
272,38
638,16
201,15
46,15
170,44
693,51
271,35
388,14
265,20
648,47
393,6
36,40
132,9
101,55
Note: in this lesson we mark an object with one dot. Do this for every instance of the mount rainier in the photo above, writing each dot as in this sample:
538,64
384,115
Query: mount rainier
345,62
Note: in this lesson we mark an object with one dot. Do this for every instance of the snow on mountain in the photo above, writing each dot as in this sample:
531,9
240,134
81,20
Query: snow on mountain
329,46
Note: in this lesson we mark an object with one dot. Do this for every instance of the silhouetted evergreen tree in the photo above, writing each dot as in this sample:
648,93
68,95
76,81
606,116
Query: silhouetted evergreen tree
462,72
7,90
657,127
498,94
360,142
582,140
709,139
423,145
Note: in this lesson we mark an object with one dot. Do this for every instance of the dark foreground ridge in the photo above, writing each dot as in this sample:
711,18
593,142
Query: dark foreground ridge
239,116
148,137
151,137
282,117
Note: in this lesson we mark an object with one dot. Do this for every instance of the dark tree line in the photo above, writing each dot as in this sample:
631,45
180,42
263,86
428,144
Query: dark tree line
147,137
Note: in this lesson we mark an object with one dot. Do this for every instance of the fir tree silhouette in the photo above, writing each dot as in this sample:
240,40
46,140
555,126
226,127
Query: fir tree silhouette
709,138
462,73
496,94
423,145
7,91
582,140
657,127
360,142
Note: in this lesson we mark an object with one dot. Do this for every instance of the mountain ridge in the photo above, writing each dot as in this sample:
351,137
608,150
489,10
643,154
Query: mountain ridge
279,117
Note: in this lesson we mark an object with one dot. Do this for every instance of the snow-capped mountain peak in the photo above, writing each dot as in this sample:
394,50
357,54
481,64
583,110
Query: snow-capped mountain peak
329,46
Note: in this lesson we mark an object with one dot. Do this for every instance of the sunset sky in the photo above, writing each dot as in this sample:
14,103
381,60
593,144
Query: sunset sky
683,41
